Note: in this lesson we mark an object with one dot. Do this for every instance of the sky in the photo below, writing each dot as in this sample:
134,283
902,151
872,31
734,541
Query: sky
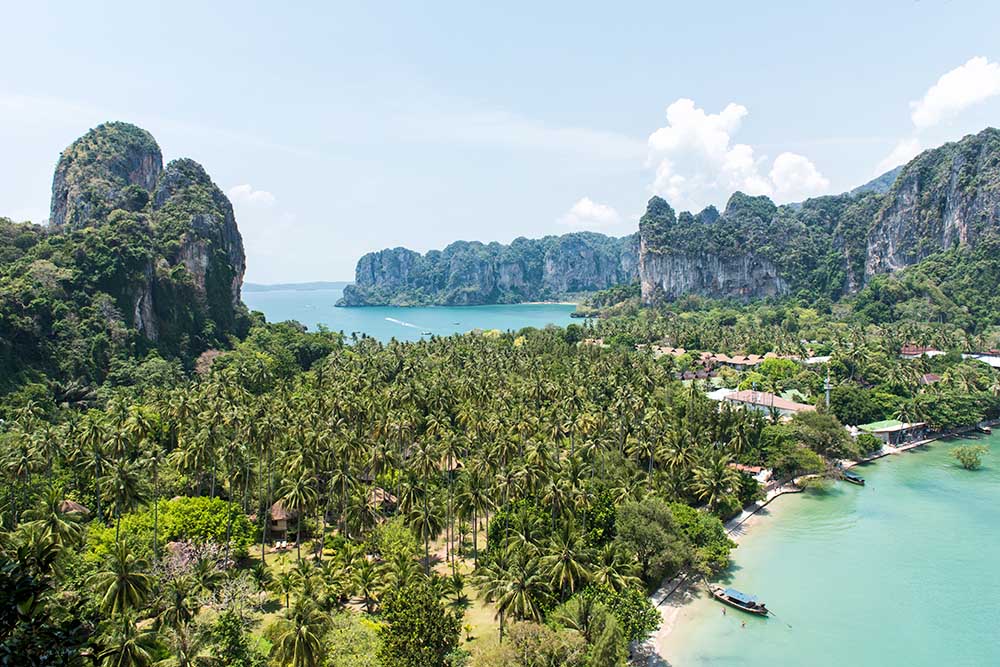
341,128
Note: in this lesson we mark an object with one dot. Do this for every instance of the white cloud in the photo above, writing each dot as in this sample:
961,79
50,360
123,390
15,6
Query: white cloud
955,91
966,85
902,152
589,214
794,176
697,162
246,195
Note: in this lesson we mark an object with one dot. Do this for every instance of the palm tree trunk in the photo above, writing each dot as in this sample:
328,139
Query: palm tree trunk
97,484
264,511
156,513
298,539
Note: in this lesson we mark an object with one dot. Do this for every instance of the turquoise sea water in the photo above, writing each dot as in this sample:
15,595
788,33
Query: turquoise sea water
314,307
901,571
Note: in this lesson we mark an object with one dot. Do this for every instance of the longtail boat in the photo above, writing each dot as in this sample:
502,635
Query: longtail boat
853,478
741,601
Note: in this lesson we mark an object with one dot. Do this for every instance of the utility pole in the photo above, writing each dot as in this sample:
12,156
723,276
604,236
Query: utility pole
826,386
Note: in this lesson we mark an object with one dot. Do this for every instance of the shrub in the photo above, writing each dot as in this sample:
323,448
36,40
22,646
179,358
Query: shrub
970,456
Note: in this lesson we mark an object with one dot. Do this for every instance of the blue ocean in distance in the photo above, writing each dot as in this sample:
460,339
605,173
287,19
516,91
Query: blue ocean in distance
313,307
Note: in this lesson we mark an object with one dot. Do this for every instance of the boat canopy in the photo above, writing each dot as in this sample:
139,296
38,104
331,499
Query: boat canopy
740,597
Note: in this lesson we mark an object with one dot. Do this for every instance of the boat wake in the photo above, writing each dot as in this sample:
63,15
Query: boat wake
401,322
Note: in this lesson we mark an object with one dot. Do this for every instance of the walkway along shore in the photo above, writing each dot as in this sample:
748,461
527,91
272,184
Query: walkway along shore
674,593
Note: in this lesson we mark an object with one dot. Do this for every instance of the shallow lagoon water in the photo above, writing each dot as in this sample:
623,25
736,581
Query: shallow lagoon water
315,307
901,571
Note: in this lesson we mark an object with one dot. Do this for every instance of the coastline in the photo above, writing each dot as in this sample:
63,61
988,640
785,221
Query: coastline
672,598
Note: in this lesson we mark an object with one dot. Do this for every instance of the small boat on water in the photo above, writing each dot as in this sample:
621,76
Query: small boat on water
741,601
853,478
425,333
984,429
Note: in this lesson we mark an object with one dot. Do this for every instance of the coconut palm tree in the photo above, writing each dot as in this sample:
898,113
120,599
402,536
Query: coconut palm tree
123,487
128,646
123,586
298,636
427,521
366,583
612,568
188,648
283,584
179,605
714,479
63,528
567,561
298,495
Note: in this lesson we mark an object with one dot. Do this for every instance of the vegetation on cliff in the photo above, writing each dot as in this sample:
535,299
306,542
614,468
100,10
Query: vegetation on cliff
138,260
824,248
469,273
832,246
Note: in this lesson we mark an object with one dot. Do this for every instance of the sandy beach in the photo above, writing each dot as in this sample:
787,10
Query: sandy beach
671,599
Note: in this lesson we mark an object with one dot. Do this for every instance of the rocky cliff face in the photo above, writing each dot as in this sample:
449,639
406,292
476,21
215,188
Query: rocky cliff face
826,246
114,166
690,255
211,246
187,289
467,273
666,276
946,197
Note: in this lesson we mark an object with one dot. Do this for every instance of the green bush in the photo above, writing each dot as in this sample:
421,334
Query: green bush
970,456
197,520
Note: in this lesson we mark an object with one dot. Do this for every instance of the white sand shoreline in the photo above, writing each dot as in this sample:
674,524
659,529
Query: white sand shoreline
671,598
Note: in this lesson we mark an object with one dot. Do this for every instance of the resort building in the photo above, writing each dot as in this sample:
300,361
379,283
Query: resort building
72,507
281,520
991,359
766,402
892,431
929,378
917,351
818,360
759,473
380,499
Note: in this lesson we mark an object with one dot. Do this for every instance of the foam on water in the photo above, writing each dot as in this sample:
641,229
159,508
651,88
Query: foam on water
401,322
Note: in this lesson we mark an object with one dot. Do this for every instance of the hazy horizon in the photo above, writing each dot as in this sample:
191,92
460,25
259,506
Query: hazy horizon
337,131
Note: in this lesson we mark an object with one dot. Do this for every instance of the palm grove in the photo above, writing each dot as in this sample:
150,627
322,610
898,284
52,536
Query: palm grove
550,480
185,484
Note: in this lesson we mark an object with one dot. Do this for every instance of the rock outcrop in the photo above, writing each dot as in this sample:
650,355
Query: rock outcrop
946,197
949,196
114,166
690,254
186,292
822,247
471,273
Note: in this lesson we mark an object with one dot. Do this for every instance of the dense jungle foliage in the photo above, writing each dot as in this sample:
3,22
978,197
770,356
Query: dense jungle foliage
206,489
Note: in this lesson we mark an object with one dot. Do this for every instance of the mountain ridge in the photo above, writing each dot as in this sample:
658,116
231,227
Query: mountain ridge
827,246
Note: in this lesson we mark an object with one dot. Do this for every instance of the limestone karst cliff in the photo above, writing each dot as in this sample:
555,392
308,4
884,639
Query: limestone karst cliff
946,197
826,246
470,273
136,257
